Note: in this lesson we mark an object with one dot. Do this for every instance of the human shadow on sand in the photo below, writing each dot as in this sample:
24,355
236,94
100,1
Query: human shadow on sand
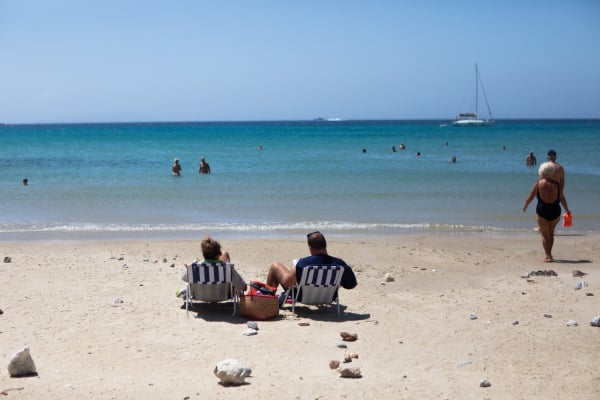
221,312
571,261
327,313
214,312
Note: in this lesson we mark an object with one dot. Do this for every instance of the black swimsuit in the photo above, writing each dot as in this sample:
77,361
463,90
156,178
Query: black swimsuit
548,211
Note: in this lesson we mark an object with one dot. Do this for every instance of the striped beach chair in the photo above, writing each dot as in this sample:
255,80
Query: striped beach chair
210,282
318,285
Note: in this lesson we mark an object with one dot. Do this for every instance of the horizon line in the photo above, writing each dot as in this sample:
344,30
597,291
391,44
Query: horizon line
331,121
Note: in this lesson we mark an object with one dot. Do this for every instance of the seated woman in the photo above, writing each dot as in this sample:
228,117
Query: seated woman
212,253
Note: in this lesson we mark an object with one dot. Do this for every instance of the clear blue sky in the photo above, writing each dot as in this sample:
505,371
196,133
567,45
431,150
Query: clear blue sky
193,60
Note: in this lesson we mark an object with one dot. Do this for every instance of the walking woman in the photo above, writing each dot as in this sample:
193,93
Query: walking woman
550,197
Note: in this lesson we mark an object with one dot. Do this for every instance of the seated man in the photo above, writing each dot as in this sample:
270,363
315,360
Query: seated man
212,253
279,274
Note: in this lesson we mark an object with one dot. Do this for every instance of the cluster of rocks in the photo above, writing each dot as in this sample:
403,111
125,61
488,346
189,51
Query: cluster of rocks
252,328
539,273
578,286
232,372
346,372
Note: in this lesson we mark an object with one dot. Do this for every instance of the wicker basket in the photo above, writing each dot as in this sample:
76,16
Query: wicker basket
259,307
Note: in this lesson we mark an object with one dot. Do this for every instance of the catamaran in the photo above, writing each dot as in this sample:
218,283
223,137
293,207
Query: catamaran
470,118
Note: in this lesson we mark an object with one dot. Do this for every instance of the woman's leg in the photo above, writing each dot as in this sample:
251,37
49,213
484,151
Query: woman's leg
547,232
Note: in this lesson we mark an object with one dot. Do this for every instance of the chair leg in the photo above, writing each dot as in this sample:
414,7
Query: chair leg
235,301
294,293
187,301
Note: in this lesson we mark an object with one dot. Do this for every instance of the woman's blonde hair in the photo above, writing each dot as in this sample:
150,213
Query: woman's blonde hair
546,170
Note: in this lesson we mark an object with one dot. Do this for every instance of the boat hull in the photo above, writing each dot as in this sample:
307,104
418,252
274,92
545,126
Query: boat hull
472,122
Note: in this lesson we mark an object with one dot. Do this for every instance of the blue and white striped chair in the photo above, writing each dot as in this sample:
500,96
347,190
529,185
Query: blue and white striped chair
318,285
210,282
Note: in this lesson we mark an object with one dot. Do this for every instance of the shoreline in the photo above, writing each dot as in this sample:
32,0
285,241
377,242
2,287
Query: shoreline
102,321
274,234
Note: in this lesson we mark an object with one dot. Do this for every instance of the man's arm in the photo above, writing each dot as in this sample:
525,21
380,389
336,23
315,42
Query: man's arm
348,278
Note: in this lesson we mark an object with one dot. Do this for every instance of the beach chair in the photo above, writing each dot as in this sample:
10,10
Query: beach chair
318,285
211,283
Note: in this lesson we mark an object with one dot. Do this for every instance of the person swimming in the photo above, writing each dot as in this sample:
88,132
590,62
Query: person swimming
176,168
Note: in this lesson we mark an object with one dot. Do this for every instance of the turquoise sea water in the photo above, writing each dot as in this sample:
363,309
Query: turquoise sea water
114,180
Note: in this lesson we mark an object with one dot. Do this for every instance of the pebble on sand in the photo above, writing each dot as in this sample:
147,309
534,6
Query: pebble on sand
348,337
350,372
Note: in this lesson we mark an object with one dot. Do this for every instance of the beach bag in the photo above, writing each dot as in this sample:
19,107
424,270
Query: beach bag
259,307
260,302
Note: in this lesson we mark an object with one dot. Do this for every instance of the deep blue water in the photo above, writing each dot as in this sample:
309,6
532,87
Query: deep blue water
114,180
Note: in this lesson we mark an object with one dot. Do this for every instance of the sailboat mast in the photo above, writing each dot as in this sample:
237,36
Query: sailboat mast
484,96
476,90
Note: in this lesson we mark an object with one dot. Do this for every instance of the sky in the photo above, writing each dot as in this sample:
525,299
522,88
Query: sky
195,60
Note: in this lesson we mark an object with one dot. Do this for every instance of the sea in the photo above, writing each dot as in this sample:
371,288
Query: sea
286,178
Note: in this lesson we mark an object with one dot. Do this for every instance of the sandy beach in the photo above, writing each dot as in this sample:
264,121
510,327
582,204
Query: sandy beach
102,321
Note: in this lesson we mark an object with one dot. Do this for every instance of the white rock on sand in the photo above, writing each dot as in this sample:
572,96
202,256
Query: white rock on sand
22,364
231,372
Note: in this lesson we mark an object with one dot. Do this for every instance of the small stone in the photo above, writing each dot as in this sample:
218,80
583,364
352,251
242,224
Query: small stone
303,324
515,322
118,301
333,364
7,259
525,275
348,337
231,372
1,312
485,383
388,278
22,364
595,321
347,358
572,323
547,315
577,273
350,372
250,332
252,325
473,315
342,345
165,260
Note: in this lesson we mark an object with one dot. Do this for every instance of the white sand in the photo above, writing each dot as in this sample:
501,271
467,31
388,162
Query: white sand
58,298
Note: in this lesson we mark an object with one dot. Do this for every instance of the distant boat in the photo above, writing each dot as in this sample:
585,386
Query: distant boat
470,118
320,119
